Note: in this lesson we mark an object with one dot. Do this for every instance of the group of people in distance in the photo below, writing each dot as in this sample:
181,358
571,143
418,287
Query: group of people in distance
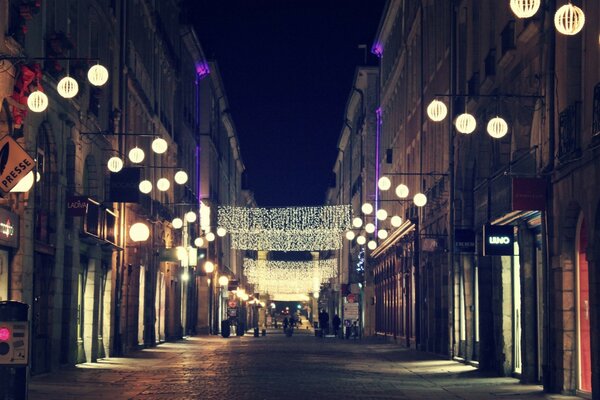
336,323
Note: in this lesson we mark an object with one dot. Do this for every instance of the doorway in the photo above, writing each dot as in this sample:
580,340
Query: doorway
584,352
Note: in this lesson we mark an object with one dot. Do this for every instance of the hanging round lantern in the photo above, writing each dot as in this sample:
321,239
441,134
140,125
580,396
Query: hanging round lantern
420,199
223,281
163,184
402,191
114,164
372,245
177,223
199,242
97,75
569,19
210,236
190,217
382,234
361,240
37,101
24,184
384,183
437,111
382,214
350,235
139,232
367,208
396,221
465,123
159,145
181,177
136,155
370,228
145,186
221,231
357,222
497,128
67,87
525,8
209,267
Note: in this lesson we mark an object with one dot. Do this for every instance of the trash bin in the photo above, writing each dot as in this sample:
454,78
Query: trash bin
255,332
14,350
264,332
225,328
240,329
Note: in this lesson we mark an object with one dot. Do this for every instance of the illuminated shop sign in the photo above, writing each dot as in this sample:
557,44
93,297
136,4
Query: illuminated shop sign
498,240
9,228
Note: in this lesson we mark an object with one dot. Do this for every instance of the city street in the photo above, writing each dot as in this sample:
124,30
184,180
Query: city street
277,367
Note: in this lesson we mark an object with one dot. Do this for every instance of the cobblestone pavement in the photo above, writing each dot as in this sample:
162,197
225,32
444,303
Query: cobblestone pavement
277,367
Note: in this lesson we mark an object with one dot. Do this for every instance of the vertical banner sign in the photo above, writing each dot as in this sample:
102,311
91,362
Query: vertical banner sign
464,241
77,206
498,240
15,163
124,185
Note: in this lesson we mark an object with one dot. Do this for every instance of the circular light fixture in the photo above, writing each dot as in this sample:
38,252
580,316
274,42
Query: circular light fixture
372,245
24,184
177,223
181,177
67,87
361,240
223,280
210,236
420,199
402,191
357,222
569,19
350,235
136,155
139,232
367,208
198,242
384,183
465,123
396,221
525,8
163,184
221,231
437,111
209,267
370,228
159,145
37,101
145,186
497,128
382,234
382,214
114,164
190,217
97,75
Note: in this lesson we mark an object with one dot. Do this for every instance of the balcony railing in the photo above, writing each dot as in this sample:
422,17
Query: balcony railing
569,132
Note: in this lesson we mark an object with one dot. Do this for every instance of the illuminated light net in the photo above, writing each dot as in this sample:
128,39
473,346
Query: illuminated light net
288,277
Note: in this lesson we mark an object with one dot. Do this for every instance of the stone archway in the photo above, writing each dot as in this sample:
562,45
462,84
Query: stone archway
594,295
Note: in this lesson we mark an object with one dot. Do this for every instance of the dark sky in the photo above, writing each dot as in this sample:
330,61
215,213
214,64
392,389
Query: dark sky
287,67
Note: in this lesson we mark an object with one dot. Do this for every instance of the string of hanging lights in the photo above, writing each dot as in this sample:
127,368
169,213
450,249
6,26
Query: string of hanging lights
290,240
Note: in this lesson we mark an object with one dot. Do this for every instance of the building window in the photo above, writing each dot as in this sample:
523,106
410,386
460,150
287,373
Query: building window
596,111
569,132
490,63
508,37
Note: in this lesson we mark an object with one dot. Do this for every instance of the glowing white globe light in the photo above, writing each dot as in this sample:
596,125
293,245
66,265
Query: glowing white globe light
372,245
497,128
163,184
384,183
136,155
245,297
221,231
114,164
396,221
361,240
181,177
177,223
350,235
209,267
37,101
370,228
465,123
190,217
357,222
139,232
38,176
382,234
367,208
210,236
198,242
525,8
145,186
402,191
316,295
159,145
420,199
223,280
24,184
97,75
569,19
67,87
382,214
437,111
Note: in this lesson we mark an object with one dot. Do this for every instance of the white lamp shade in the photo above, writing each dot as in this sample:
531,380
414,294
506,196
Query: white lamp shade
97,75
367,208
221,231
361,240
402,191
209,267
223,280
420,199
396,221
465,123
382,234
569,19
384,183
210,236
163,184
136,155
437,111
350,235
177,223
190,216
67,87
37,101
114,164
145,186
372,245
198,242
525,8
159,145
497,128
181,177
139,232
357,222
370,228
25,184
382,214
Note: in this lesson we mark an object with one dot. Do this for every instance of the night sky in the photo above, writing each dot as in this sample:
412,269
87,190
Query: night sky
287,67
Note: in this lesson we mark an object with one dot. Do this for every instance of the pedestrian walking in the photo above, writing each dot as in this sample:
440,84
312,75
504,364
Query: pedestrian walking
348,325
335,323
324,321
286,322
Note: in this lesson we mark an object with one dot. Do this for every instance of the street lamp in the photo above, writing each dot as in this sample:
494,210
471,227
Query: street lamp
139,232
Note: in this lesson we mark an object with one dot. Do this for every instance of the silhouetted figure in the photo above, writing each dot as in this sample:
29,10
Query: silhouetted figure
335,323
286,322
324,321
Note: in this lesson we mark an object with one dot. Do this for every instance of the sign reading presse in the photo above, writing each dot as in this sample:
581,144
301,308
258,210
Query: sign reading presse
498,240
15,163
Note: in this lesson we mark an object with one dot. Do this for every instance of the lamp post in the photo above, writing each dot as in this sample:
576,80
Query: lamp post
223,282
209,268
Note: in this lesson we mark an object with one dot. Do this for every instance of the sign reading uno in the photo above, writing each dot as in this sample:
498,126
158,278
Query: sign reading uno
498,240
